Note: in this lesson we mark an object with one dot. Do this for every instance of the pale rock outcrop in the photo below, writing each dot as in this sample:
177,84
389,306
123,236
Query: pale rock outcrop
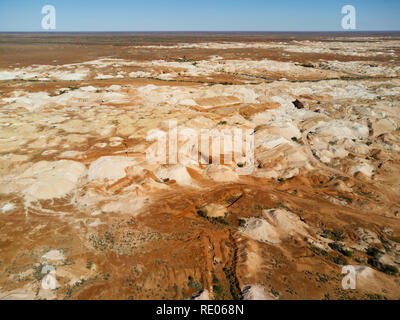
111,168
47,180
256,292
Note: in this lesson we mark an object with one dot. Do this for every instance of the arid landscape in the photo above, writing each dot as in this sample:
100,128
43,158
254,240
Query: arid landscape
78,194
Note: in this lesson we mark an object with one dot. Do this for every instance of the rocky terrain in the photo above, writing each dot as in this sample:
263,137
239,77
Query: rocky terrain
78,192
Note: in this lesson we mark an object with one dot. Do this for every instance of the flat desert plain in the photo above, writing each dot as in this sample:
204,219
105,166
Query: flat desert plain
84,214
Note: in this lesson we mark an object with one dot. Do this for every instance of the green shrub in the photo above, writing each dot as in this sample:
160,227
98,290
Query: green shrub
217,292
374,262
339,248
373,252
242,222
389,269
335,235
202,213
214,278
194,284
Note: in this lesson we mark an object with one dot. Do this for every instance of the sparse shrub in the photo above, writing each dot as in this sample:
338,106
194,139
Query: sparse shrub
339,248
347,253
214,220
374,262
386,268
339,261
202,213
347,199
214,278
233,283
217,220
37,272
389,269
335,235
217,292
385,243
373,252
335,246
194,284
242,222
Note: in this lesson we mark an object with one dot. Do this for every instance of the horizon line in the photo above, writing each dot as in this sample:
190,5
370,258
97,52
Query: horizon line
204,31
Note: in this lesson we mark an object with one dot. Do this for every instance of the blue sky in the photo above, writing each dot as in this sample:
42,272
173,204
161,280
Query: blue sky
193,15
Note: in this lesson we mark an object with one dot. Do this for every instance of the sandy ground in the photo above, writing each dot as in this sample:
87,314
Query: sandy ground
77,192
